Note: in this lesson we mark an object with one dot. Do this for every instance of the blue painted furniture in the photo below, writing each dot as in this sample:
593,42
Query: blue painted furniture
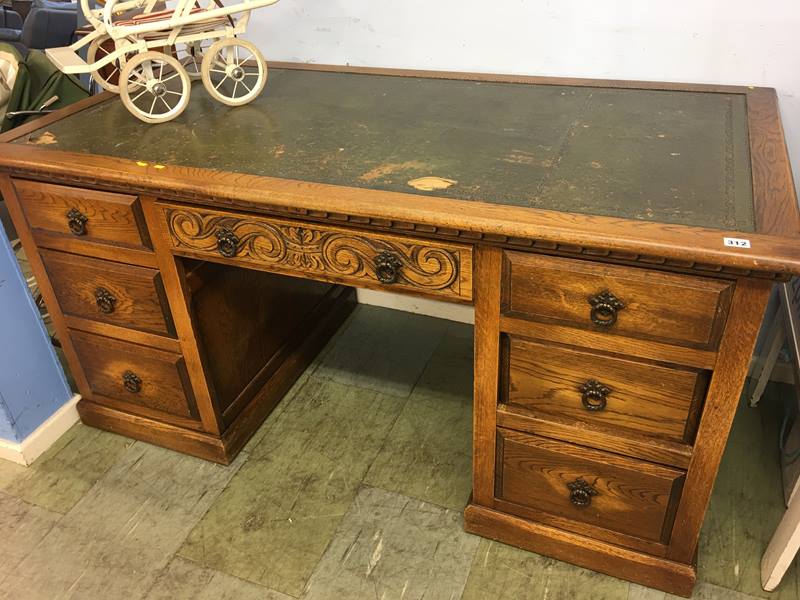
32,383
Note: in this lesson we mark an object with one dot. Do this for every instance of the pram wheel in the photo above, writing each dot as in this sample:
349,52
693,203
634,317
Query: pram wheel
107,77
234,72
155,87
191,57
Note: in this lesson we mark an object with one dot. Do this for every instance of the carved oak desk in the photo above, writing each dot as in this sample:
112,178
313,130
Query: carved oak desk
618,241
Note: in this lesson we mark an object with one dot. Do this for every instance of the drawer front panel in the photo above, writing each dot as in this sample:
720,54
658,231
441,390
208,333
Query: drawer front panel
587,486
615,393
109,292
135,375
83,215
333,254
678,309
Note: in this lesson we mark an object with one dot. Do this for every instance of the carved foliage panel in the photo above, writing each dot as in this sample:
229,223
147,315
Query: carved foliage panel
356,257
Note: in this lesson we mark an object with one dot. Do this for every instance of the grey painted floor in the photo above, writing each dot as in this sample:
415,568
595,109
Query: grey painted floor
353,488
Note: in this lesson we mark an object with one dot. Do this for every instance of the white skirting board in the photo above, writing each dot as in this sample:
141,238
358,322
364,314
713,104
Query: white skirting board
421,306
29,449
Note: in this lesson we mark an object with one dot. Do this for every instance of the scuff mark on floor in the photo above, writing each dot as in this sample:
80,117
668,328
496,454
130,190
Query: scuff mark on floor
376,554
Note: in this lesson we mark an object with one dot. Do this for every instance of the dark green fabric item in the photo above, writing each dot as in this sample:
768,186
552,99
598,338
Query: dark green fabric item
37,81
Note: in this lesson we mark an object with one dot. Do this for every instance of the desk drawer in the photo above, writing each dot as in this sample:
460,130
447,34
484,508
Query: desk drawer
629,301
338,255
83,215
615,393
109,292
142,379
581,485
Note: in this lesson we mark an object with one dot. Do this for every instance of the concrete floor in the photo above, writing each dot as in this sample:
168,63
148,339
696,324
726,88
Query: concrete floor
353,488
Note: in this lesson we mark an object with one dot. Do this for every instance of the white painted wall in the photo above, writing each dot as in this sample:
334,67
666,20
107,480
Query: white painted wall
710,41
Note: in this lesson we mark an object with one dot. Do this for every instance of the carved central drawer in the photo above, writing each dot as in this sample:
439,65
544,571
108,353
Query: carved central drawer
338,255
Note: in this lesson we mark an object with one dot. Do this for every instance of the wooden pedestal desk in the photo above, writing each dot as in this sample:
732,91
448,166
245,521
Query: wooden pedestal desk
618,241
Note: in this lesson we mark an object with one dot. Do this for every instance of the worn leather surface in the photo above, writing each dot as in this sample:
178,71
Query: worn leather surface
663,156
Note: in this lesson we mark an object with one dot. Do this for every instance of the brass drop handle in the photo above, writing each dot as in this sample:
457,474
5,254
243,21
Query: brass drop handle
76,221
227,242
581,493
387,267
105,300
605,306
132,382
594,395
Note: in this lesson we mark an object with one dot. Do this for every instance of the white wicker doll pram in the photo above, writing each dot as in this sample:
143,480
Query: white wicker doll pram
145,45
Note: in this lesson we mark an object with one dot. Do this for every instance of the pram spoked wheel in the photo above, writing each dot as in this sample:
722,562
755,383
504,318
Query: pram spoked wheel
234,71
154,87
97,51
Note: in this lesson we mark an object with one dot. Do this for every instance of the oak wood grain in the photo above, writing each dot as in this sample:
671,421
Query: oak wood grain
774,194
639,567
747,310
110,218
243,318
616,345
488,262
678,309
134,295
633,497
162,376
643,398
153,431
291,360
654,450
581,528
690,246
437,269
173,273
143,338
142,257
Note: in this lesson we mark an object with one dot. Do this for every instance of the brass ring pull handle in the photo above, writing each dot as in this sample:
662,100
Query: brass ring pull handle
105,300
580,493
132,382
594,395
604,308
76,221
227,242
387,267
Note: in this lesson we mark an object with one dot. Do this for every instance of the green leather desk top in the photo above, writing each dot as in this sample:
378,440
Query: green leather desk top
665,156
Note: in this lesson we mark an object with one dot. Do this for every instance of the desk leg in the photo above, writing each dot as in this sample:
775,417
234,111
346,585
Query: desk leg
488,264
